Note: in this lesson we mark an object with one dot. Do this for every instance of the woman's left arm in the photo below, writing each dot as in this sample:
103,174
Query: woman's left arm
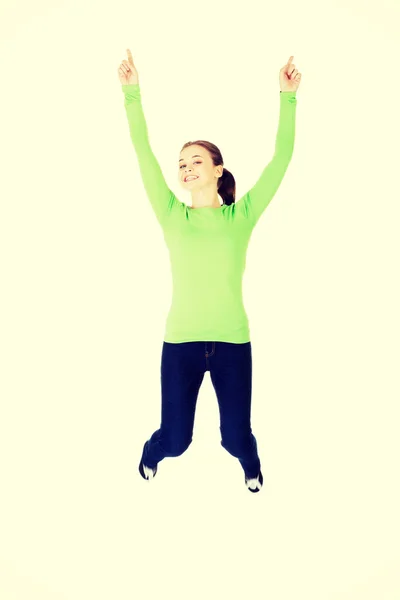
260,195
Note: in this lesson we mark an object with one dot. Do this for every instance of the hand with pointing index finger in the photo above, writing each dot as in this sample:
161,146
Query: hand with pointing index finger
127,71
289,77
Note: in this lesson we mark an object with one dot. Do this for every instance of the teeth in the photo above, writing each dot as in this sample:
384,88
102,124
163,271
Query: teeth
188,178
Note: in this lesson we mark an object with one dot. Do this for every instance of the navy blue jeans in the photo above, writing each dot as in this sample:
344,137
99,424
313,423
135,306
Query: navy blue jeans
183,367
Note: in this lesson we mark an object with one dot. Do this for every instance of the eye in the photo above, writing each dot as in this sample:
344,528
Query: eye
196,161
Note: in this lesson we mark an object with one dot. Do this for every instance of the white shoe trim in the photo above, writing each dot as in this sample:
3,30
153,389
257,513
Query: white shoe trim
254,484
149,472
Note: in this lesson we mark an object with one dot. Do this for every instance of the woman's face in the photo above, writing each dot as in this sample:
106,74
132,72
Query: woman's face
195,162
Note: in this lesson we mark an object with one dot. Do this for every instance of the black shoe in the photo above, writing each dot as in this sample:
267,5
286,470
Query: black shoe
147,472
254,484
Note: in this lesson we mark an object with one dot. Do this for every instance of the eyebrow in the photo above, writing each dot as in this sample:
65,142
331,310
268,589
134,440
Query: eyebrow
194,155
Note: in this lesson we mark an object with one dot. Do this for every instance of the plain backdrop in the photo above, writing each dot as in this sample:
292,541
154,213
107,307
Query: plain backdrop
86,288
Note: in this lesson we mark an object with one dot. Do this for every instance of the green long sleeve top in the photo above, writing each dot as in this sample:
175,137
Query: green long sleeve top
207,246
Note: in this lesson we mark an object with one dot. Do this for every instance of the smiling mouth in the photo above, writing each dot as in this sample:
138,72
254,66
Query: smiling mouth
191,179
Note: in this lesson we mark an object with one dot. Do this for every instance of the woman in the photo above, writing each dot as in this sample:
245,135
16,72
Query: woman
207,327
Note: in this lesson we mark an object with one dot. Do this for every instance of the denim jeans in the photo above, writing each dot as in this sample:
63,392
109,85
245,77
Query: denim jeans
183,366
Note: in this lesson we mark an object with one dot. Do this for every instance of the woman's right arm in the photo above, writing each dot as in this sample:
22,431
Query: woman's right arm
157,190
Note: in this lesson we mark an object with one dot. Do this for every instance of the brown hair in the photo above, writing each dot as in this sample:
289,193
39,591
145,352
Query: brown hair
226,183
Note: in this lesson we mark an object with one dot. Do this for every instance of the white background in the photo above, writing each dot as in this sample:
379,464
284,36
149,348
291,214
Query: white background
86,288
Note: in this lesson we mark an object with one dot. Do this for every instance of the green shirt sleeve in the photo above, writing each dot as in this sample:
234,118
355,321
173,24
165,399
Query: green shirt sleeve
157,190
260,195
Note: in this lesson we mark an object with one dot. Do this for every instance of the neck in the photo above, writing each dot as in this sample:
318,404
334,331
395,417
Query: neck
205,197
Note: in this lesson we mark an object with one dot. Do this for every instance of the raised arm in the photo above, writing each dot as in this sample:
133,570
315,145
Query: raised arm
154,183
257,199
259,196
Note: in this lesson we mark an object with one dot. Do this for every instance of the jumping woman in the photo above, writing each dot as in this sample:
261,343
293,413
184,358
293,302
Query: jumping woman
207,328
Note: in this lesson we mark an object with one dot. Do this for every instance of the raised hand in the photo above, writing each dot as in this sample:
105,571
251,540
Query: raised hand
289,77
127,71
